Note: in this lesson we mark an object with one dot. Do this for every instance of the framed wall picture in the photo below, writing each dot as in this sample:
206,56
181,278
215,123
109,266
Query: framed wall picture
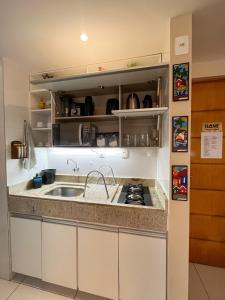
179,182
180,134
181,82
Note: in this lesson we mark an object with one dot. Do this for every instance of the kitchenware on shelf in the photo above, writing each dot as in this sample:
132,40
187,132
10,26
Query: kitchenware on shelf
107,139
135,140
128,140
40,124
147,102
101,140
48,176
18,150
147,140
113,140
37,181
87,134
42,104
112,104
142,141
66,105
133,101
56,134
77,109
88,106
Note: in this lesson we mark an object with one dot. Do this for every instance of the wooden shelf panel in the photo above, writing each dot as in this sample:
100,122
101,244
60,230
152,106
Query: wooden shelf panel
42,111
88,118
41,129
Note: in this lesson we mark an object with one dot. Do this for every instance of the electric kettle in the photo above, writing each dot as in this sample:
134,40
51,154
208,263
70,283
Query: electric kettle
133,101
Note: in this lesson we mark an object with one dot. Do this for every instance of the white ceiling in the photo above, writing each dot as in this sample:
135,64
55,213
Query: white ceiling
44,34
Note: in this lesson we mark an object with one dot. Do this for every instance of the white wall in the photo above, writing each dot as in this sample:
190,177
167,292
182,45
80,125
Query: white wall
178,217
141,163
16,97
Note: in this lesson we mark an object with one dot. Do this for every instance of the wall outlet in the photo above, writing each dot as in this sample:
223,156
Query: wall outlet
125,154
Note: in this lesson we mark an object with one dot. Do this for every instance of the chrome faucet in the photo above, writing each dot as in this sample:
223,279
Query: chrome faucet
75,169
111,169
103,178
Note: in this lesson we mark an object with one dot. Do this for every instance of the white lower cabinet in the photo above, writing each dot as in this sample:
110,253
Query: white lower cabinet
59,254
98,262
142,267
26,246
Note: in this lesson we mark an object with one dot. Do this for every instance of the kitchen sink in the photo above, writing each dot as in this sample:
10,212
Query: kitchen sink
65,191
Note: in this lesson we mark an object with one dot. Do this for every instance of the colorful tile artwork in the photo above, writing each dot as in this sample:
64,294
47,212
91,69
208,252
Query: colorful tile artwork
181,82
179,182
180,134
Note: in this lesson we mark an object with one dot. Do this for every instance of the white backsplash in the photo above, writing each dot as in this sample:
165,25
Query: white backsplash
16,173
140,163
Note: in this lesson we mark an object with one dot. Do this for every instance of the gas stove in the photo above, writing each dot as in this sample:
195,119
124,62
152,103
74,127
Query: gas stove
135,195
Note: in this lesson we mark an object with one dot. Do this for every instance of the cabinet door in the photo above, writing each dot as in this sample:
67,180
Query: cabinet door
98,262
59,254
26,246
142,267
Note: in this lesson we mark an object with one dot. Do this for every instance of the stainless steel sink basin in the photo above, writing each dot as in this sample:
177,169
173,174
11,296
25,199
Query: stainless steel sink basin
65,191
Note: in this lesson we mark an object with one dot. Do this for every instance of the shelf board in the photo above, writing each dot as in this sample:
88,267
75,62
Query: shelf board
39,91
41,129
88,118
141,112
42,111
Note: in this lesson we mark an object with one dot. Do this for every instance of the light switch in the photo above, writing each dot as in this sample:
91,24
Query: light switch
181,45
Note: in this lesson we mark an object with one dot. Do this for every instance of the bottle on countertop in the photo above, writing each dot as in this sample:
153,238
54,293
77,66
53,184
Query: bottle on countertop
37,182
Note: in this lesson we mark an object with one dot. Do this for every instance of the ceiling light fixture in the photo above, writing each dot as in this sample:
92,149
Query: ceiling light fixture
84,37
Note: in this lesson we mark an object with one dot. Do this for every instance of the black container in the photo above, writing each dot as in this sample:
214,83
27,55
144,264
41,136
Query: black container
56,134
112,104
48,176
66,105
88,106
147,102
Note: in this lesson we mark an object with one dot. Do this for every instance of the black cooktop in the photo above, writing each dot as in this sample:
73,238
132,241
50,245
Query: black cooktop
135,195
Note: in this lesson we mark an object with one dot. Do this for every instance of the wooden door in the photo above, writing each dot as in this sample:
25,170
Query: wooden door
207,205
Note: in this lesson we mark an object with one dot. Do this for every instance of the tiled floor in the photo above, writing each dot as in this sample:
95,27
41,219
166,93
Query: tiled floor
206,283
17,291
23,291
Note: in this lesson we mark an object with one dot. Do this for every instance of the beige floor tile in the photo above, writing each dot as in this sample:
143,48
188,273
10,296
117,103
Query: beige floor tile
6,288
28,293
214,281
85,296
196,289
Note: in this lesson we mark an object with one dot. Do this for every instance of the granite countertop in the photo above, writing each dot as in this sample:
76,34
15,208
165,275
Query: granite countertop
94,207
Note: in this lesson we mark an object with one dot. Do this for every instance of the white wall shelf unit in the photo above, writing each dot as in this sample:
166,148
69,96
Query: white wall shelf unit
102,86
42,135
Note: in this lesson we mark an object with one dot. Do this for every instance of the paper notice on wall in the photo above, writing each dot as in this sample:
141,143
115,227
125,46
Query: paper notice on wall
212,144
